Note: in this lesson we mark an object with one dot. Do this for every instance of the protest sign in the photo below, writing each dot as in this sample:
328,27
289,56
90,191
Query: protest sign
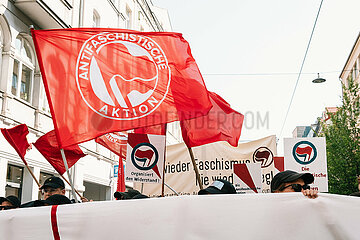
214,161
145,158
308,155
247,178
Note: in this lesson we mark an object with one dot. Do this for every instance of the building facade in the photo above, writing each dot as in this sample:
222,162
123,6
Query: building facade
22,95
352,65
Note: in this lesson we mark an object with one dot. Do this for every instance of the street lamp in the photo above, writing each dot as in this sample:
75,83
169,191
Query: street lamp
319,79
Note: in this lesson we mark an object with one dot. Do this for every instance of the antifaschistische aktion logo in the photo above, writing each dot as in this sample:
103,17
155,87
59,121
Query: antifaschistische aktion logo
304,152
124,71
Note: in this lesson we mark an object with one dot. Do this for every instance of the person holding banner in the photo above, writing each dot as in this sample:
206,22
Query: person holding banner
291,181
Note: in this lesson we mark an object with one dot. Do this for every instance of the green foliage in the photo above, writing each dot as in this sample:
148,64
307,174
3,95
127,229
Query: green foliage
342,134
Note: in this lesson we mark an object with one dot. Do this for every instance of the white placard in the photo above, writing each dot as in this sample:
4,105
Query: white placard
308,155
145,158
247,178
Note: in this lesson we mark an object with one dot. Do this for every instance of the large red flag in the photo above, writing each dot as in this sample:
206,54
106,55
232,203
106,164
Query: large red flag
16,136
222,123
107,80
49,148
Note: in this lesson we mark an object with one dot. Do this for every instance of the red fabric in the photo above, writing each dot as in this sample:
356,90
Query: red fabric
107,80
54,225
222,123
115,142
16,136
279,163
47,145
121,174
159,129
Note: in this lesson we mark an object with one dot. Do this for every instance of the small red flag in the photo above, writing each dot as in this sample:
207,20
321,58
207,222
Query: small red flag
16,136
121,174
116,80
222,123
115,142
48,146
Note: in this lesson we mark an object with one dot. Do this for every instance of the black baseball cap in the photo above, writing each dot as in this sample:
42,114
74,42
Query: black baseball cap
53,182
220,186
11,199
290,176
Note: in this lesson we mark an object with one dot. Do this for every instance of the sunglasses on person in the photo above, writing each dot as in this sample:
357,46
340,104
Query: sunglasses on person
296,187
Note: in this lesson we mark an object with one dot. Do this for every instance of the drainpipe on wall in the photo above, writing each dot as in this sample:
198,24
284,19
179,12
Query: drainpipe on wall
81,13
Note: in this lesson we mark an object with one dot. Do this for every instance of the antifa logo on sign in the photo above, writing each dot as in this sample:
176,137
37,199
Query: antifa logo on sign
144,156
123,74
264,156
304,152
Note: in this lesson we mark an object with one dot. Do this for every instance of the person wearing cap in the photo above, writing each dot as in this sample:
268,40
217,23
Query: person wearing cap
220,186
126,195
55,185
9,202
291,181
55,199
52,185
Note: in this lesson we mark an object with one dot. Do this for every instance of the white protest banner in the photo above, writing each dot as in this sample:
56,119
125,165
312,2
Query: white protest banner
145,158
308,155
214,160
281,216
247,178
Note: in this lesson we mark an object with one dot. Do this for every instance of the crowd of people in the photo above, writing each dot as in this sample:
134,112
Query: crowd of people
53,190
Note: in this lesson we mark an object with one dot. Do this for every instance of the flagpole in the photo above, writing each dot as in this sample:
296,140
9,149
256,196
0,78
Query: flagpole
67,181
163,178
177,194
32,174
195,168
68,173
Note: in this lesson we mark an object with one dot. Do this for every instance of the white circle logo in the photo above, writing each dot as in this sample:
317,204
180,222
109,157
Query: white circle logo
122,76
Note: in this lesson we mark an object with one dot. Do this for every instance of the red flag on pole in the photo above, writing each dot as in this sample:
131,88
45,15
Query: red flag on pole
121,174
16,136
48,146
222,123
115,142
106,80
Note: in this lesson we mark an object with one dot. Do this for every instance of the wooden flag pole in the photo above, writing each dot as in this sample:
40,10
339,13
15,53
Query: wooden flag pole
32,174
195,168
68,173
163,176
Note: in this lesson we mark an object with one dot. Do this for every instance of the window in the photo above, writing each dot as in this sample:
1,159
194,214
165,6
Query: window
23,70
96,19
14,179
128,18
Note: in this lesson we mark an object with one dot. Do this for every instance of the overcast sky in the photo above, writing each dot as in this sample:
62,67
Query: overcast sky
250,52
